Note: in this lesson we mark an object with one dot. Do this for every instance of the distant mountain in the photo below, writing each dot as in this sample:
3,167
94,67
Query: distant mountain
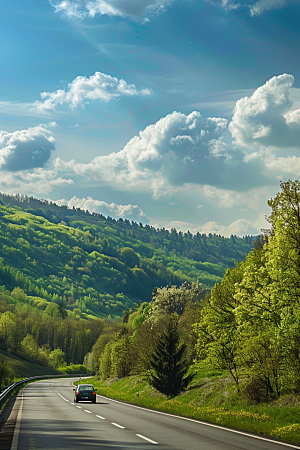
99,266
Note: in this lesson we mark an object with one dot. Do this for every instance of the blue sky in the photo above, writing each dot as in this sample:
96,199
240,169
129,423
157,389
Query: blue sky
179,113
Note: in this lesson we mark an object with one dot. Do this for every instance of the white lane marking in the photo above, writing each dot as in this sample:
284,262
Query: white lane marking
78,406
71,403
100,417
202,423
14,445
86,410
146,439
117,425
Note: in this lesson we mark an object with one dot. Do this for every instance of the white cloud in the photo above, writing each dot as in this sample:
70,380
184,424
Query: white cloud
132,212
267,118
254,199
239,227
283,167
82,89
176,150
26,149
265,5
37,181
135,9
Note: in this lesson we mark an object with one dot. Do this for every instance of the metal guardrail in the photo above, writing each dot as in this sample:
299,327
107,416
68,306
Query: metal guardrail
7,389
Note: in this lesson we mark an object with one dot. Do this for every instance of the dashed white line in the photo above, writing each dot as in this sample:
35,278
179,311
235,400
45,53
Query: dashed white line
147,439
117,425
71,403
86,410
78,406
100,417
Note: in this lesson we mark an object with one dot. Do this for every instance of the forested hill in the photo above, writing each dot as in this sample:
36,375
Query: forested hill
96,265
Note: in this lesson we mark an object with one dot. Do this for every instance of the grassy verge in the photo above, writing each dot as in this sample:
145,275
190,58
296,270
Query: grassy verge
212,398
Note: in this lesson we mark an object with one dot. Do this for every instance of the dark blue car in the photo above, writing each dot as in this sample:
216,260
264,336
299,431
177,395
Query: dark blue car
85,392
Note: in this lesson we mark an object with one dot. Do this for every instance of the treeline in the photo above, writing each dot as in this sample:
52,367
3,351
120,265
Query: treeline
99,266
210,248
49,337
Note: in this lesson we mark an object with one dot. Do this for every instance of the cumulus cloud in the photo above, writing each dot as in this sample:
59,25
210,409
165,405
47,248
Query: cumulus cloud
26,149
82,89
132,212
177,149
266,119
135,9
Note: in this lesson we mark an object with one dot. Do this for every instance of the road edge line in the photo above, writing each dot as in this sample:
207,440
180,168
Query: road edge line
15,440
254,436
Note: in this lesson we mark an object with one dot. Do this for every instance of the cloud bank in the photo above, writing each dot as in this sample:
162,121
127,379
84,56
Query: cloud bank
82,89
26,149
131,212
176,150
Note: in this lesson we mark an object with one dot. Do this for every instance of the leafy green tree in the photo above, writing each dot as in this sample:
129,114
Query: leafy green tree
29,347
130,258
6,373
169,366
218,340
56,358
122,356
8,331
105,363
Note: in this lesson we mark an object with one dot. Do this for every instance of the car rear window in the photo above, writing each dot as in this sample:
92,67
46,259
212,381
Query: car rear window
85,387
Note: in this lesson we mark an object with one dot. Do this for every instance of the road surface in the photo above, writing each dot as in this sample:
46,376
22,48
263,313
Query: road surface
49,419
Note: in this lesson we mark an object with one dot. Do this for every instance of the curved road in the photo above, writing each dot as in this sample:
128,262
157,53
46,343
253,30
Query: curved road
48,419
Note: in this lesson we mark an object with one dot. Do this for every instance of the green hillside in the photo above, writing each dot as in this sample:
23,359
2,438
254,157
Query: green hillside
97,266
23,368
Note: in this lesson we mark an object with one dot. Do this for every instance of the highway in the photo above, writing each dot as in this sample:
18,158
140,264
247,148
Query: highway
49,419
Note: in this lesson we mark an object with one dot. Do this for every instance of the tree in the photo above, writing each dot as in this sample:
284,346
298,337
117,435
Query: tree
121,356
174,299
56,358
105,362
168,363
130,258
29,347
62,311
218,339
6,373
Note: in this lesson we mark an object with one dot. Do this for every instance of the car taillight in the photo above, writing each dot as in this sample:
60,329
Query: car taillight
78,392
94,393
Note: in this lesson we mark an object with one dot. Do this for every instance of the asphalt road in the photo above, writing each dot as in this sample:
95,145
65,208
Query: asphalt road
49,419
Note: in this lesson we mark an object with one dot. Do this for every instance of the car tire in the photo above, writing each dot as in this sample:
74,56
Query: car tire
75,400
94,400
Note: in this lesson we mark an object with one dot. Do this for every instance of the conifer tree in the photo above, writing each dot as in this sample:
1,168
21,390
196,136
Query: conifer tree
168,364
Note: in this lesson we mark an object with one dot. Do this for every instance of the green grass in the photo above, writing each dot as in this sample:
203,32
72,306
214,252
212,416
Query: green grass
212,397
25,369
